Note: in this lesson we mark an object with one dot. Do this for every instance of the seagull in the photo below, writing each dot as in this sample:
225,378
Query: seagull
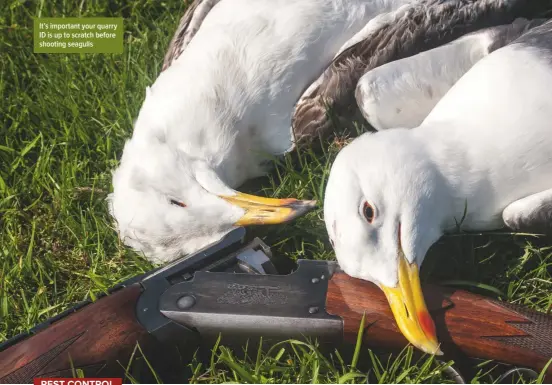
402,93
219,111
481,158
400,34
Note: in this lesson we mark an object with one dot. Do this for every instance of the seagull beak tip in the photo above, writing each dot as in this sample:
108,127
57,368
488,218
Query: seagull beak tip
410,311
265,211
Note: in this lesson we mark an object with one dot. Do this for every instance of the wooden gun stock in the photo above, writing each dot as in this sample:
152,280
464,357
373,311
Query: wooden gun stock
473,325
92,338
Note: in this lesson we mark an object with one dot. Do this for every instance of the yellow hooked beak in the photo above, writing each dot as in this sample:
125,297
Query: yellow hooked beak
409,308
268,211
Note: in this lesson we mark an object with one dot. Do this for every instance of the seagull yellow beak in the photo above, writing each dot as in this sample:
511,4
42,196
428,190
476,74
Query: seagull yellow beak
268,211
409,308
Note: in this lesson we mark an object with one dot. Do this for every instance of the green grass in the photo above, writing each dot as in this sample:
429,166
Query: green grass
294,361
64,119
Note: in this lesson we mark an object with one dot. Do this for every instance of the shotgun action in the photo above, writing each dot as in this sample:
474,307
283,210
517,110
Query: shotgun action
234,289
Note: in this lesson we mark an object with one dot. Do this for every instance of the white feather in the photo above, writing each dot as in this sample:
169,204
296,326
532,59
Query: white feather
402,93
224,107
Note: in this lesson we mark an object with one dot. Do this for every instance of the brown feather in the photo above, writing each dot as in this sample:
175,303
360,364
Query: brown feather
424,26
187,28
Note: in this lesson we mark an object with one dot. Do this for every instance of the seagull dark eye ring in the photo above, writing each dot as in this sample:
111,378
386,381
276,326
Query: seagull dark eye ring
368,212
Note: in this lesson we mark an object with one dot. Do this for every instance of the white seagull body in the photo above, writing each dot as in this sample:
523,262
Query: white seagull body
241,74
484,154
218,112
402,93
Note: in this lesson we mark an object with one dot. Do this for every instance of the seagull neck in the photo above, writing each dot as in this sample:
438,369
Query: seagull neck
446,153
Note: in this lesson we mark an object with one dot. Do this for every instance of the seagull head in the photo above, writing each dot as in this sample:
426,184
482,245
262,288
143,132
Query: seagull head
382,211
167,204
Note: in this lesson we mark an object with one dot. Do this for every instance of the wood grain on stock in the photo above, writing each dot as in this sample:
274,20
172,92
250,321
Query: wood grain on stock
94,337
474,325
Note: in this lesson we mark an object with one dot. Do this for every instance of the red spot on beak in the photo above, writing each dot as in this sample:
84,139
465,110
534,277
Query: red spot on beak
427,324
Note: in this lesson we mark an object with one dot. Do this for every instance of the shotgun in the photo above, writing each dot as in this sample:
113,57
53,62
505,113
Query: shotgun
233,289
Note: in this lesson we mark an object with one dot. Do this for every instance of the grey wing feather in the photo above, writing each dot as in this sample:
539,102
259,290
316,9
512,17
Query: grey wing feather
539,37
187,28
422,27
506,34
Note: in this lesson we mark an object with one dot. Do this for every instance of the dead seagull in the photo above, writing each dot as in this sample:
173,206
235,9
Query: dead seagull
220,109
402,93
396,35
481,158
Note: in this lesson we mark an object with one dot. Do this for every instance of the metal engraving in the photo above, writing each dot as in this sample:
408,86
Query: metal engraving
254,295
251,305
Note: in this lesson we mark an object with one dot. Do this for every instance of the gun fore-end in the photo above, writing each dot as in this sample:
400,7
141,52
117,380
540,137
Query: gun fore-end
469,324
92,338
100,337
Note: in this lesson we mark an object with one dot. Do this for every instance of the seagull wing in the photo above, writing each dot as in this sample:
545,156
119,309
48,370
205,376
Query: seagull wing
403,92
187,28
411,29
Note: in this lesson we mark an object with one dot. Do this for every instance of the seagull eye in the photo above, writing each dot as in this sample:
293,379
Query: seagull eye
368,212
177,203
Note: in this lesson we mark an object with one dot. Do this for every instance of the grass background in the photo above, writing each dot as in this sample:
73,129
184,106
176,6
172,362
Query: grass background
63,122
